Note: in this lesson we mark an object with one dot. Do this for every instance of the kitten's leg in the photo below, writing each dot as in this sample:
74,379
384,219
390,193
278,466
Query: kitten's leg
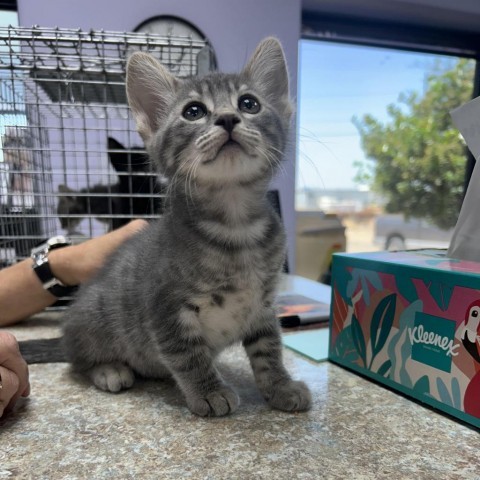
191,363
264,349
206,394
112,377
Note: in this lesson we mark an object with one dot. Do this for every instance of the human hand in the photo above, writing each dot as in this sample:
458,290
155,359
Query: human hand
13,373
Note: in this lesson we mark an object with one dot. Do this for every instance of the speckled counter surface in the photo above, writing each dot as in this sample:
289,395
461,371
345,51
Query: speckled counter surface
356,429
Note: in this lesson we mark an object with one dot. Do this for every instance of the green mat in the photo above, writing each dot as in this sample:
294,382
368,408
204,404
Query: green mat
311,343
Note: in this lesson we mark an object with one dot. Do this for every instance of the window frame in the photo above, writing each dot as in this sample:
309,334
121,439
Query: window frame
10,5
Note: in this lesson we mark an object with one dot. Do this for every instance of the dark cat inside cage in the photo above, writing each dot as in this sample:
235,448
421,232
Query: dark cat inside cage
137,192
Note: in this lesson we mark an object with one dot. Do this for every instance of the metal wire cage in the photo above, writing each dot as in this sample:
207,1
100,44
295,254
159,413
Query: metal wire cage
71,160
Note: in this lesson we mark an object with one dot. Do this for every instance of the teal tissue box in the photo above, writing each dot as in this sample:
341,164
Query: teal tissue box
411,321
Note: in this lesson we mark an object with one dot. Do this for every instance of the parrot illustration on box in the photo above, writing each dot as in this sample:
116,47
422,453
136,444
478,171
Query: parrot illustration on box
471,341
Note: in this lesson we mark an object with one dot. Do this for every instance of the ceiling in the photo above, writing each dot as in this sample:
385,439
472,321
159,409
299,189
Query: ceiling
460,15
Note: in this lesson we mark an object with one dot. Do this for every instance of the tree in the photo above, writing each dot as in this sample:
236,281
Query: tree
418,157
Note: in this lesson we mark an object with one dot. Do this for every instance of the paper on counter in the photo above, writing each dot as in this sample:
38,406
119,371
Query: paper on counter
311,343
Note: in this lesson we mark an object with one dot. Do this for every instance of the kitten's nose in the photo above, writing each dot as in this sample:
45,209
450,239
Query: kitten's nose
227,121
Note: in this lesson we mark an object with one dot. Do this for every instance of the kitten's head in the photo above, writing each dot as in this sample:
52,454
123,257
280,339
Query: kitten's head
221,128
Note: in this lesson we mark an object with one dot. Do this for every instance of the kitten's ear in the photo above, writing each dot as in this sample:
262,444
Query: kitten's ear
114,144
150,89
119,160
268,69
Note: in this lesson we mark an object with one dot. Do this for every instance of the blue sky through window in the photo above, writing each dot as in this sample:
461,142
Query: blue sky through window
339,81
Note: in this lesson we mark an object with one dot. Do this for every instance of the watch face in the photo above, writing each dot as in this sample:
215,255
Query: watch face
50,244
59,240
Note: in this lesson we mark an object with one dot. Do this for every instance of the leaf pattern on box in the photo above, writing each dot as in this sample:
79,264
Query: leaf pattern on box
406,288
362,277
384,368
340,314
422,386
441,293
453,400
381,324
345,348
456,395
406,321
443,392
342,276
359,340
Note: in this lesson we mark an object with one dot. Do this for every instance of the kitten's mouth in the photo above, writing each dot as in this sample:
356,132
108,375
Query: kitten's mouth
228,145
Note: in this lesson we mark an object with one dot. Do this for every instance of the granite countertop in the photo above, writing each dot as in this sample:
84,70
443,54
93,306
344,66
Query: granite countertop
356,429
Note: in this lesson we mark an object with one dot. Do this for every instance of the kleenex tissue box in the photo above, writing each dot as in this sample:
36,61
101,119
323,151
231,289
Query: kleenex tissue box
411,320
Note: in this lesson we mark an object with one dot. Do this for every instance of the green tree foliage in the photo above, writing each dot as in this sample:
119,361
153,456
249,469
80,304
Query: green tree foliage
418,157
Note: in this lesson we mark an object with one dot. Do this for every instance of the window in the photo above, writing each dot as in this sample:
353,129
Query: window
376,146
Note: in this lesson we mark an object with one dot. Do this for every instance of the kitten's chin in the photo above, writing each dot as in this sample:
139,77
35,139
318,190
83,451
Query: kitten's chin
231,165
229,150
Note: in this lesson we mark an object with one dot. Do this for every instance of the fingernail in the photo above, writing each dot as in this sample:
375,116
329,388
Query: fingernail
26,392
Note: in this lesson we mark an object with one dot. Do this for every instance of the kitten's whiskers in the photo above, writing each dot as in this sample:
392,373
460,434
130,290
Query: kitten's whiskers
191,177
273,161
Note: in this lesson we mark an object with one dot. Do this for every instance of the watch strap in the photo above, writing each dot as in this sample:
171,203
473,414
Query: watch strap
50,282
42,268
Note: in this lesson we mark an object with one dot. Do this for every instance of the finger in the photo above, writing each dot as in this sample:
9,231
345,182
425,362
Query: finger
11,359
9,385
137,224
26,392
113,239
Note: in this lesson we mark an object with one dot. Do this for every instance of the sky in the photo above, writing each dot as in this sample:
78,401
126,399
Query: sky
337,82
8,18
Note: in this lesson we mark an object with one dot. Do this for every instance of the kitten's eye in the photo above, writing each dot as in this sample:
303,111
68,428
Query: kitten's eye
194,111
248,104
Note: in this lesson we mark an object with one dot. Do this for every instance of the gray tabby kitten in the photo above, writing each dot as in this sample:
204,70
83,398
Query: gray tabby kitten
204,275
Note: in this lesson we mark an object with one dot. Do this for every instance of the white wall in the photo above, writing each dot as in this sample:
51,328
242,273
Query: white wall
234,27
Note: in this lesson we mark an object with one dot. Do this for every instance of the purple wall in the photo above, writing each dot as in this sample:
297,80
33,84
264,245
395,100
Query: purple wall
234,27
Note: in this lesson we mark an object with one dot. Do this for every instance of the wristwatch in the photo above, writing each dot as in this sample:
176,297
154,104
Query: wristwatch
41,266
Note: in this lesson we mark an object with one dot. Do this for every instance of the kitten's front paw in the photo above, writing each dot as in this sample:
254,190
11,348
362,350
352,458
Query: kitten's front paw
112,377
215,404
292,396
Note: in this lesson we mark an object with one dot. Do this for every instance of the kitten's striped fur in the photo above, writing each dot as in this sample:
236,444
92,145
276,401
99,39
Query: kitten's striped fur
204,275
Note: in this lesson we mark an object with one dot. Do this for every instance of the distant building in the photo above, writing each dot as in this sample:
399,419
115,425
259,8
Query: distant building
336,201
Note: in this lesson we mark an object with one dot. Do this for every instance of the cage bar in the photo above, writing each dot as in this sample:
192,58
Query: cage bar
72,162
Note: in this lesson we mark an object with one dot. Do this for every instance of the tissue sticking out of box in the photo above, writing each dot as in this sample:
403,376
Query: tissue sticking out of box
465,243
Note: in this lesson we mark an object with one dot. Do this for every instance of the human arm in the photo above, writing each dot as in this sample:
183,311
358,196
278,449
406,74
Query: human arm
22,294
